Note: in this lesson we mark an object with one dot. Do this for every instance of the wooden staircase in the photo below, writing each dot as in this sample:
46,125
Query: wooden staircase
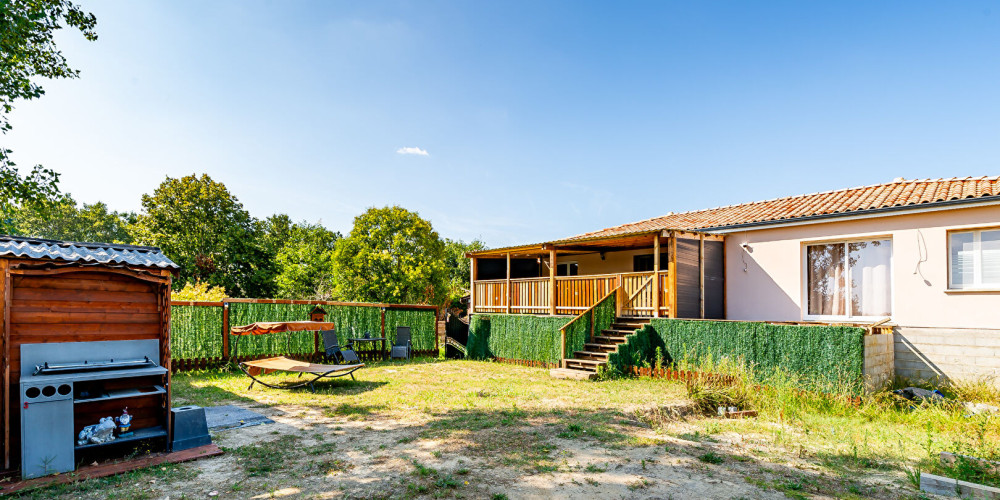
583,365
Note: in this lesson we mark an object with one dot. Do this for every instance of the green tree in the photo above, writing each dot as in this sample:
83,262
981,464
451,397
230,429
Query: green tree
305,263
458,266
62,220
202,227
199,292
28,51
392,256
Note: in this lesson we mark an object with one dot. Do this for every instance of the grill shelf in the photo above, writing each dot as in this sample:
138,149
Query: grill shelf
137,435
86,366
124,393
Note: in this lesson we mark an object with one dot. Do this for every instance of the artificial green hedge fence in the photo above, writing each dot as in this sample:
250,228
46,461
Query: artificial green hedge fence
822,357
522,337
196,331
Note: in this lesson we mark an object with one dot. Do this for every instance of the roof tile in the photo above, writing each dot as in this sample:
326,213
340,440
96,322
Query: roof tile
844,201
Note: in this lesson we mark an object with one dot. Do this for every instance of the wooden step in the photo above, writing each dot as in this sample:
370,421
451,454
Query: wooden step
584,364
624,328
593,355
568,373
633,319
600,347
617,333
608,339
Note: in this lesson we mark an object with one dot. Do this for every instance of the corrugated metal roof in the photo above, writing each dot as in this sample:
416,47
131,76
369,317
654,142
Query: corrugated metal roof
75,251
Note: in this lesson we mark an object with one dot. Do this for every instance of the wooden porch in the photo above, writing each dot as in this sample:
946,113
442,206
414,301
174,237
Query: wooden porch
685,279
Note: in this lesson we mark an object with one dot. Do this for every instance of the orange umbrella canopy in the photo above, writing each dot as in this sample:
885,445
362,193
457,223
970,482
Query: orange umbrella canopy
262,328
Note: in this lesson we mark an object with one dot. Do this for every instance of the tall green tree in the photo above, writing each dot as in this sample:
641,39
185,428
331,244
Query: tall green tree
305,263
458,266
62,220
202,227
392,255
27,52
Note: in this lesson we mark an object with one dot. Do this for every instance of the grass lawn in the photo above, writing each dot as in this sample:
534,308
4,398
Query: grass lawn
469,429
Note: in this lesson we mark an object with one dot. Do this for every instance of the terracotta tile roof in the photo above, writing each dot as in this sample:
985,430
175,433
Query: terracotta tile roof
850,201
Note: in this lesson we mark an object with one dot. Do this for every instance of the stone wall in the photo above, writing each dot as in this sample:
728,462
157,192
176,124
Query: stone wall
879,361
946,354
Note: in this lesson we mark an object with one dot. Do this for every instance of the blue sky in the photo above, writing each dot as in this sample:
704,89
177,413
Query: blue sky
540,119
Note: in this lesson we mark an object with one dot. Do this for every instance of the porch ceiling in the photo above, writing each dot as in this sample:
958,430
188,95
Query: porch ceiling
574,246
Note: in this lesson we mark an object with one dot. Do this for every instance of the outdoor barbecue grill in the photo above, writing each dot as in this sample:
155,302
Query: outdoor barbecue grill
69,383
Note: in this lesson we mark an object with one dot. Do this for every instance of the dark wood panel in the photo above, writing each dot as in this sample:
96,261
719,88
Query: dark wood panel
69,329
688,279
80,296
715,269
78,306
87,282
25,318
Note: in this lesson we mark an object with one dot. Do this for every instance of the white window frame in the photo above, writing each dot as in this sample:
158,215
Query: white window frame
977,260
847,307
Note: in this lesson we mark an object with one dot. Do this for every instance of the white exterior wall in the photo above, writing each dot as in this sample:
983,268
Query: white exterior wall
767,282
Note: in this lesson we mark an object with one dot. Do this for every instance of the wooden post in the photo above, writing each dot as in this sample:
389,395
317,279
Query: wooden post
225,331
618,297
552,285
508,282
562,336
472,286
5,325
701,273
592,318
656,275
672,274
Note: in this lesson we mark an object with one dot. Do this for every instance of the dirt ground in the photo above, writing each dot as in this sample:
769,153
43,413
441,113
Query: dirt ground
482,430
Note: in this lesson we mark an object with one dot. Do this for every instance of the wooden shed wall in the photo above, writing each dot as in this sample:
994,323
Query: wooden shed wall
81,304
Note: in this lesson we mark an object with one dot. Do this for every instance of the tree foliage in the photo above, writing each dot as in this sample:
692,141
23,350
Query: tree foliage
199,291
62,220
458,265
202,227
392,255
305,263
28,51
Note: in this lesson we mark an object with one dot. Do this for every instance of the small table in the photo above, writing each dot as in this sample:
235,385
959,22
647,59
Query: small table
362,340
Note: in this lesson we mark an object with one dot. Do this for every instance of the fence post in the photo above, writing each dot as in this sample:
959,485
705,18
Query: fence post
225,330
562,335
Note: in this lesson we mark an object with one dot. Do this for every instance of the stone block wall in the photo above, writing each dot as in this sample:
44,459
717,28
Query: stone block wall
947,354
879,361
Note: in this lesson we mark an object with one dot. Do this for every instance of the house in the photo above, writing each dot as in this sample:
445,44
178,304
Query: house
923,253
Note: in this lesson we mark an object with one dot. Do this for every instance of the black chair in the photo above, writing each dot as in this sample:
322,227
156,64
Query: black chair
332,349
403,347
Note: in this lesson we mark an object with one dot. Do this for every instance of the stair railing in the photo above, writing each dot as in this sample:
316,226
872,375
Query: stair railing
588,313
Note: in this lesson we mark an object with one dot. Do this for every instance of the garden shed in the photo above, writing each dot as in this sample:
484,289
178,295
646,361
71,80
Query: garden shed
94,303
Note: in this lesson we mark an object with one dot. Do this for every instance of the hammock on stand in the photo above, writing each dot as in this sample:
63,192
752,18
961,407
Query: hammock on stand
257,367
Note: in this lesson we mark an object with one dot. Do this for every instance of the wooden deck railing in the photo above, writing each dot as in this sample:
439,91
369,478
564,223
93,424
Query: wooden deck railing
573,294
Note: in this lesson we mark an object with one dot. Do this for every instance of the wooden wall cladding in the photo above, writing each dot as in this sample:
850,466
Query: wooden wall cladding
715,280
688,279
80,307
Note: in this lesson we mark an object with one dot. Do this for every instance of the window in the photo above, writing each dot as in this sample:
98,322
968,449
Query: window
974,259
567,269
644,263
851,279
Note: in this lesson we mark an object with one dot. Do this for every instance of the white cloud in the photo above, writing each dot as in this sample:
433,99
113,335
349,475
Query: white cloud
412,151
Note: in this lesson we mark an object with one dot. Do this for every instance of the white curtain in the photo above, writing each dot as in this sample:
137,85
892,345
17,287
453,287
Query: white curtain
871,287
